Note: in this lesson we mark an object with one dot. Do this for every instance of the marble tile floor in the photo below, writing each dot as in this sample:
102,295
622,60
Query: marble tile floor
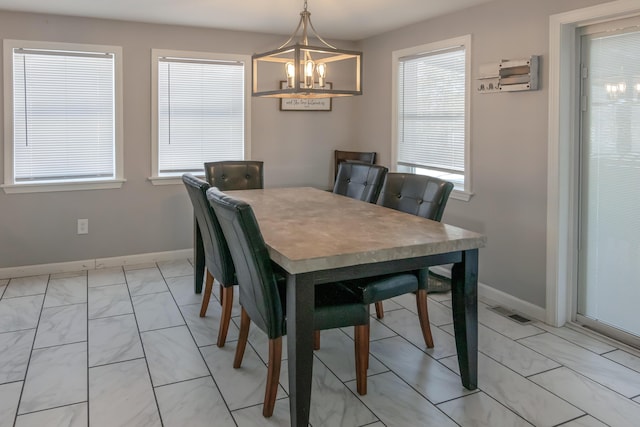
125,347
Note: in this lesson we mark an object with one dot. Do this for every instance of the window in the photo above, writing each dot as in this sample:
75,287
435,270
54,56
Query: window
431,112
200,112
62,117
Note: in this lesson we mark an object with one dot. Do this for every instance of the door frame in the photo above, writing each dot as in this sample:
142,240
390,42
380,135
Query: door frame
562,145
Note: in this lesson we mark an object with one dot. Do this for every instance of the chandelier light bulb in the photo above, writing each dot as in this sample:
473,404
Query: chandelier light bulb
321,69
290,69
308,73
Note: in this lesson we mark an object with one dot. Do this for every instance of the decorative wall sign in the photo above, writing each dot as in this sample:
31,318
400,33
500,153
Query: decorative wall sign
304,104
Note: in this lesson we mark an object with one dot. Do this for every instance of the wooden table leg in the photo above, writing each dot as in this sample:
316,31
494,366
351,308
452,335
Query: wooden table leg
464,294
198,258
300,306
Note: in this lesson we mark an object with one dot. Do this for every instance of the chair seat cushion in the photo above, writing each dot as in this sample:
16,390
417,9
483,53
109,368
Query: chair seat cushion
380,288
338,306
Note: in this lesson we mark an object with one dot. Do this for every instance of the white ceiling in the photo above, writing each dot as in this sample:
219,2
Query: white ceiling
338,19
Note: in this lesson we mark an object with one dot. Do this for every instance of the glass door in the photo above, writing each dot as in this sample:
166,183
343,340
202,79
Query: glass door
608,296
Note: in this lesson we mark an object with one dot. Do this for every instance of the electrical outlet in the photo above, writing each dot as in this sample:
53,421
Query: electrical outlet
83,226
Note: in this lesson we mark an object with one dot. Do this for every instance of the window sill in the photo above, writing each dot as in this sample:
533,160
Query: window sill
168,180
465,196
62,186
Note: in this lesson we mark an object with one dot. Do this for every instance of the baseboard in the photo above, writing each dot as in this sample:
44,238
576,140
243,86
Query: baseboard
39,269
493,295
90,264
143,258
506,300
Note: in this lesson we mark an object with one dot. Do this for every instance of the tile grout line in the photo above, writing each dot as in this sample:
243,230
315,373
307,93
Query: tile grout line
478,389
35,334
586,412
144,353
528,377
621,364
88,388
402,379
197,349
344,383
578,344
562,365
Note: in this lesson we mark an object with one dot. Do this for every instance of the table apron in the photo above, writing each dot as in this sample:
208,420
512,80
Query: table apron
384,267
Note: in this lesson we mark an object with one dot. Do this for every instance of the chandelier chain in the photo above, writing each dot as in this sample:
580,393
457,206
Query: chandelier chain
305,23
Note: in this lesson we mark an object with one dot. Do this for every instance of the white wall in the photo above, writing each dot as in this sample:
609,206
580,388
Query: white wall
508,134
297,148
508,137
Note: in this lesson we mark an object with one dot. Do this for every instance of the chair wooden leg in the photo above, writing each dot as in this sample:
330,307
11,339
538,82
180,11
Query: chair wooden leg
225,316
423,315
362,357
273,376
221,295
245,322
379,310
316,340
368,343
207,294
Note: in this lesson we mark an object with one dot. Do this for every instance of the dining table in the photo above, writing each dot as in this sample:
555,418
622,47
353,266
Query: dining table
318,237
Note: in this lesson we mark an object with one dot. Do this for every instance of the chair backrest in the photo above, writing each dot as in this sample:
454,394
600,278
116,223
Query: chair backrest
420,195
259,294
217,257
368,157
235,174
360,181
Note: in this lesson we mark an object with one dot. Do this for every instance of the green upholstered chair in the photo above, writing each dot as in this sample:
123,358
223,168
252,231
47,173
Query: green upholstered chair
360,181
217,258
227,175
235,174
339,156
419,195
262,298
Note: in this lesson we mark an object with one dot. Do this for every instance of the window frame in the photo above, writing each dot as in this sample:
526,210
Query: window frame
9,185
155,178
425,49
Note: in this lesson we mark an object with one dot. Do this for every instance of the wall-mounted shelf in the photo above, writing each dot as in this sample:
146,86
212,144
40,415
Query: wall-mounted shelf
518,74
508,75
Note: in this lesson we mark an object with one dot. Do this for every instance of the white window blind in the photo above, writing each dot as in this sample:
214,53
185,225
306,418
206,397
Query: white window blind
200,113
431,110
64,116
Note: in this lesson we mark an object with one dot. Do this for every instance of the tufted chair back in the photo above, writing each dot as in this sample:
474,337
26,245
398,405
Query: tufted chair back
235,174
423,196
259,294
419,195
360,181
217,256
368,157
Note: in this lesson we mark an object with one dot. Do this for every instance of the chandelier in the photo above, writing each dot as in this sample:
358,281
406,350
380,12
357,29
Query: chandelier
299,70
